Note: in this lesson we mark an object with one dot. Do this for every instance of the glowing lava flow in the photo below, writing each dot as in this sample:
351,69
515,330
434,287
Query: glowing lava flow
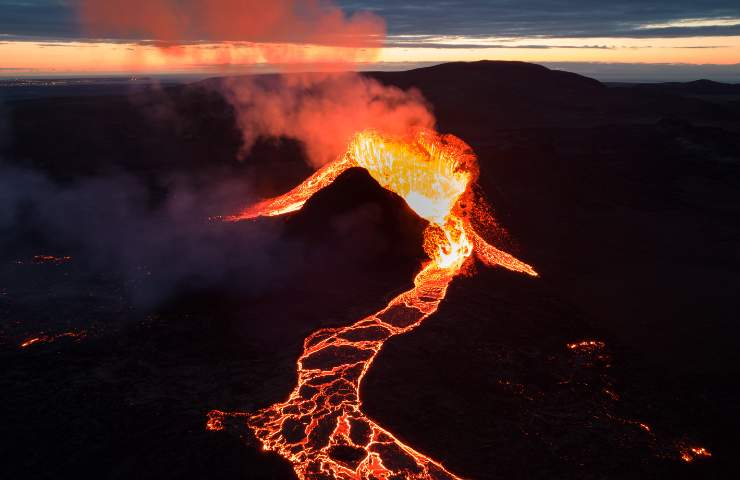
320,428
52,338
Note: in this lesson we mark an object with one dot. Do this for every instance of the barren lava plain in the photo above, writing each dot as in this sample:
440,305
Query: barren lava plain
617,362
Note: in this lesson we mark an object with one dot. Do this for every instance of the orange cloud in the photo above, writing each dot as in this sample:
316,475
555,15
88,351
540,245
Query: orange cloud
270,26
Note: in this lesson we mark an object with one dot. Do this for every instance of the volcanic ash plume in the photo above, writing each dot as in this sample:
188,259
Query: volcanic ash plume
323,111
275,31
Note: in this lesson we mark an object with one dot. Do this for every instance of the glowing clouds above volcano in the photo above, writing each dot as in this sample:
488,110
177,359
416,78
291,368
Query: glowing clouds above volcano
282,31
324,111
321,111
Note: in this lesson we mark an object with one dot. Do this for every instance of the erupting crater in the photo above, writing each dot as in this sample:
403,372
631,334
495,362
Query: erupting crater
321,428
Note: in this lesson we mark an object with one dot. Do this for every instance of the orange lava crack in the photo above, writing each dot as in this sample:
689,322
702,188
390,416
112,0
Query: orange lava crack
689,454
51,259
51,338
321,428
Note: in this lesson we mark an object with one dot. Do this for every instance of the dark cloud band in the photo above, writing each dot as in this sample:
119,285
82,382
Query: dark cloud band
58,19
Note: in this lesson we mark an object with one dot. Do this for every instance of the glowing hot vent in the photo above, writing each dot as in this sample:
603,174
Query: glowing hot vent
430,173
320,428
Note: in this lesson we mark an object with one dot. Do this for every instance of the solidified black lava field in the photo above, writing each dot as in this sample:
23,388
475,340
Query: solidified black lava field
624,197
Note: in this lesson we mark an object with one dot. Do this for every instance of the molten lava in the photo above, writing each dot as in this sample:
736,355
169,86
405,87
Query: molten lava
586,346
46,259
51,259
52,338
321,428
689,454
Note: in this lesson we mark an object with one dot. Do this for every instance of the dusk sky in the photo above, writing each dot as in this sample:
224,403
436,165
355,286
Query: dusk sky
45,37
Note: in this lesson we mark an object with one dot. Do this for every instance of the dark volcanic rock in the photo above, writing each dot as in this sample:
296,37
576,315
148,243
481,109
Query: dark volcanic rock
489,387
471,99
702,87
361,223
624,199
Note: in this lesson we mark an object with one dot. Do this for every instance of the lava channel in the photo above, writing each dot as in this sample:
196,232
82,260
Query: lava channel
321,428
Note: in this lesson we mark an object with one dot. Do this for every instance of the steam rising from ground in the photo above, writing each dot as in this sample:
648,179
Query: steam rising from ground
111,224
156,246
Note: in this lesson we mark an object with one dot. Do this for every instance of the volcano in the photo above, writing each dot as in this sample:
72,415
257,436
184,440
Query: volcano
321,428
618,361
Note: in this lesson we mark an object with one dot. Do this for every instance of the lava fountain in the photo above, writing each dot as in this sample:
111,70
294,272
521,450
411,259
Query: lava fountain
321,428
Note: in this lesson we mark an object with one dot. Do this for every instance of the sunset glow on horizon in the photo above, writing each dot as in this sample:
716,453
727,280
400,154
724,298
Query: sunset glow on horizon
31,58
144,37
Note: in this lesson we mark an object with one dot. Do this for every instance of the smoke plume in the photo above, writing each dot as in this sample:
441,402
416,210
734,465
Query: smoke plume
272,28
109,224
322,111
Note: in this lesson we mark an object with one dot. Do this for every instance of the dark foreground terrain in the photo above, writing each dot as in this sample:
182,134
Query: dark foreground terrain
625,198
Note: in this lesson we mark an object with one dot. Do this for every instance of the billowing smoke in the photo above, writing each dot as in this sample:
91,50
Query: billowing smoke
112,224
278,30
323,111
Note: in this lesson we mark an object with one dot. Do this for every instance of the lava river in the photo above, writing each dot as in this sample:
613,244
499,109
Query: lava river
320,428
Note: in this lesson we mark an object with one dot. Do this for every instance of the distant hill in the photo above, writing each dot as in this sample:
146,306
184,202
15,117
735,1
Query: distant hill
515,77
704,87
497,94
